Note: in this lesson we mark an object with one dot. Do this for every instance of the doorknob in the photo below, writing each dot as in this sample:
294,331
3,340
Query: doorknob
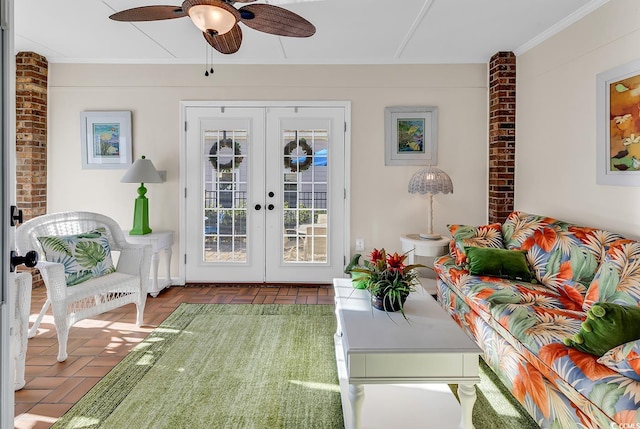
271,207
30,259
257,207
271,194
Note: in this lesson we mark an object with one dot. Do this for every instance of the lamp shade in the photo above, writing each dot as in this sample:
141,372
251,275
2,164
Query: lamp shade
430,180
142,171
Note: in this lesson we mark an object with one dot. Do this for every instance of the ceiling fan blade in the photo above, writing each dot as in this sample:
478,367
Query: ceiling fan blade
276,20
227,43
149,13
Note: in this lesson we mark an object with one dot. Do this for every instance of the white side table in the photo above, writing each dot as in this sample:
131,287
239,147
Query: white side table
159,241
417,246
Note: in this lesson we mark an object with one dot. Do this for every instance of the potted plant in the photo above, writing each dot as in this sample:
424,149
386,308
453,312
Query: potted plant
387,278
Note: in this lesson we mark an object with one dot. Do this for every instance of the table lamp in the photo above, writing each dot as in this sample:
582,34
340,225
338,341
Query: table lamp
142,171
430,180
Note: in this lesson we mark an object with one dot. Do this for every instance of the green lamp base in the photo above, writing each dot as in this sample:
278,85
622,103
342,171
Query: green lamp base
141,214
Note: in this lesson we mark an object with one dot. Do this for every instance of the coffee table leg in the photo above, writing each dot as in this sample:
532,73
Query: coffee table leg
467,395
356,397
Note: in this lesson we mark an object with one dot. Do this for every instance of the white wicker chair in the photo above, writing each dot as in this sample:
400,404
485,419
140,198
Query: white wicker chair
128,284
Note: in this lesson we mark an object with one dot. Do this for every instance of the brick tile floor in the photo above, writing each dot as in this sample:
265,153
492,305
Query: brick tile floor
96,345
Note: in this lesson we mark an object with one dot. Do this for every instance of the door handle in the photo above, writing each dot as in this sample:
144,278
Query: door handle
271,194
257,207
271,207
30,259
16,216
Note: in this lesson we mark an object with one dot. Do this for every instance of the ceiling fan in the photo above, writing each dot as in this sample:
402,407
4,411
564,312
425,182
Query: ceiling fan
218,20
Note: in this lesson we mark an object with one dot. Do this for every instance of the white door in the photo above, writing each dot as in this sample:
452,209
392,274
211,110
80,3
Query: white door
7,185
265,193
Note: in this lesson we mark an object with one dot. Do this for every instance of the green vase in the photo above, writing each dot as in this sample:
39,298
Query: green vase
359,280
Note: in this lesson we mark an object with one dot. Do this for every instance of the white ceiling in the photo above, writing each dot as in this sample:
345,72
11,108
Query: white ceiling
348,32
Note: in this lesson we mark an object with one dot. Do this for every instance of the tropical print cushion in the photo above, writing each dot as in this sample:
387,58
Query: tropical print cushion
618,278
533,313
562,255
84,256
477,236
624,359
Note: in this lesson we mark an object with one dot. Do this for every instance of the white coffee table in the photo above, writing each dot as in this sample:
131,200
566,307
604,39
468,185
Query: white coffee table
381,348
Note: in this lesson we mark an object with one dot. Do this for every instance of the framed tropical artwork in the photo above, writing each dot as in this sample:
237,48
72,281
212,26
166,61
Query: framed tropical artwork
411,135
618,126
106,139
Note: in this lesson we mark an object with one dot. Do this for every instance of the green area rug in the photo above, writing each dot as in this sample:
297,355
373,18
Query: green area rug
495,406
234,366
223,366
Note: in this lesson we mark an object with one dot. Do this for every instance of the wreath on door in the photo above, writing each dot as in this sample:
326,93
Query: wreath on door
298,166
233,163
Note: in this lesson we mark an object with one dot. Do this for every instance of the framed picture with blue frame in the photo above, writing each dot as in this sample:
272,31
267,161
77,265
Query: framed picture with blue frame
411,135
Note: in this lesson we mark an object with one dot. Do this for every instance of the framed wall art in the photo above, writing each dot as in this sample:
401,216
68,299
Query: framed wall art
618,126
411,135
106,140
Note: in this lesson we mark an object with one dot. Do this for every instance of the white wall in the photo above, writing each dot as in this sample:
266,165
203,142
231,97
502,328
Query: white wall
556,121
381,207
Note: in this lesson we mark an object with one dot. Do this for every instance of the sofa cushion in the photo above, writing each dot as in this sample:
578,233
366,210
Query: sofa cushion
84,256
624,359
607,326
477,236
618,278
558,252
503,263
533,314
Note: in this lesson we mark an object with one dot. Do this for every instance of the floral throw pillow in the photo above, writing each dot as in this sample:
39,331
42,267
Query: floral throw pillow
618,278
624,359
473,236
84,256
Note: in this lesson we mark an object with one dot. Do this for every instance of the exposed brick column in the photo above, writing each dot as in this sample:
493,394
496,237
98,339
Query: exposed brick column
31,136
502,135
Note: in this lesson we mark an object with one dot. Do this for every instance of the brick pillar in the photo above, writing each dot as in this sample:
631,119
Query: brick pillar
31,136
502,135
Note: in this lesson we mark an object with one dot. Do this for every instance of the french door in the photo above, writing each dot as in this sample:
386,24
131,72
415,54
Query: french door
265,193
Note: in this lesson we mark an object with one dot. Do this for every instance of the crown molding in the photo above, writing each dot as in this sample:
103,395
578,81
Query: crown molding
560,25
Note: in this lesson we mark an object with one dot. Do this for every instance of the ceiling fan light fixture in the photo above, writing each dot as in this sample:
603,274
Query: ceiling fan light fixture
212,19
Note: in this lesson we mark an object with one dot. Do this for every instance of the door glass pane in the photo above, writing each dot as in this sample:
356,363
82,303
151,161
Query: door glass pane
224,166
304,187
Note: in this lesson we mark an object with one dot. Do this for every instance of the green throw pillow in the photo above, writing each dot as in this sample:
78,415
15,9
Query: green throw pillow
607,326
503,263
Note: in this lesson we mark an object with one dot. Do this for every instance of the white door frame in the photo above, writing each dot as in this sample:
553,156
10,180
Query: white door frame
7,185
346,105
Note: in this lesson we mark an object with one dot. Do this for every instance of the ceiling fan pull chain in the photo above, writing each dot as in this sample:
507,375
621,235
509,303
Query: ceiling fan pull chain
212,53
206,60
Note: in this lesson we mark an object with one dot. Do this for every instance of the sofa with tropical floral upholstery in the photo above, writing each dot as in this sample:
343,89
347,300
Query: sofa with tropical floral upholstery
522,326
